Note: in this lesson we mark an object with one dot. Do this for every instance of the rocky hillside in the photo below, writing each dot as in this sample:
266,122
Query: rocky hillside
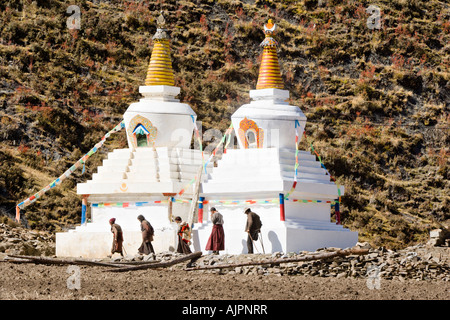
17,240
417,262
377,100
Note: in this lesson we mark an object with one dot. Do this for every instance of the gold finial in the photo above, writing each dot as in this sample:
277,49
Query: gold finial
270,27
160,70
269,71
161,32
161,21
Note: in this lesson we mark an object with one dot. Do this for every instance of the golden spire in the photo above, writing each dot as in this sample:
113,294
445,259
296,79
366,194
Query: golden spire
160,70
269,71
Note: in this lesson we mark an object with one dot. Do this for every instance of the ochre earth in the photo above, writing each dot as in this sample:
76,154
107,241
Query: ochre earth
31,281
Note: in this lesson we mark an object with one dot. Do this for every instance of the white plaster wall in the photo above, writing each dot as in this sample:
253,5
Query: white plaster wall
98,244
311,240
172,120
277,238
156,214
309,211
303,230
234,228
270,111
94,239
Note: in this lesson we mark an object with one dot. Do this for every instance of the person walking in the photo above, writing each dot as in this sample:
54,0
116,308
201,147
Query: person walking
117,245
216,241
252,227
147,237
184,236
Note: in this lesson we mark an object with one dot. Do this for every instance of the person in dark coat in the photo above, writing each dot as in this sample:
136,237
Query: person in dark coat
118,237
147,236
184,236
252,227
216,241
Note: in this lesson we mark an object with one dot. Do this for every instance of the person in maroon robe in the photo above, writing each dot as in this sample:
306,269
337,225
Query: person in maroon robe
216,241
118,237
252,227
184,236
147,236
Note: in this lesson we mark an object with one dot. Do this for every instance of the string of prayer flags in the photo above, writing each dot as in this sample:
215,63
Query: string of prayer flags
313,201
227,134
127,204
197,133
297,124
68,172
183,190
323,166
230,131
223,202
205,164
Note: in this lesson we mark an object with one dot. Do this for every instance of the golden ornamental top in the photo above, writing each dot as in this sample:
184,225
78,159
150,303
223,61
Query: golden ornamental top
161,32
269,29
160,70
269,72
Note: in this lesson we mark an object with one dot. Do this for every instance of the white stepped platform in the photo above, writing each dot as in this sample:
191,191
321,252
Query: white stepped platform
263,172
145,171
292,235
140,175
256,174
94,240
260,174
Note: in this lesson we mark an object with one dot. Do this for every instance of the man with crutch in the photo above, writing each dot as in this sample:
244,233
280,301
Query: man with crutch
252,227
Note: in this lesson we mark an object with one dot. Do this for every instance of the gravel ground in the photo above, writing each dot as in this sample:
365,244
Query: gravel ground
30,281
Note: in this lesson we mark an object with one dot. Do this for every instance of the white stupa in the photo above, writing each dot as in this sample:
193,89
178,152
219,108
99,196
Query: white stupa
263,170
260,174
139,179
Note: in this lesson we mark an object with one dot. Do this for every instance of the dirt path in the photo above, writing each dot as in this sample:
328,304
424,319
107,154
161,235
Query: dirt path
30,281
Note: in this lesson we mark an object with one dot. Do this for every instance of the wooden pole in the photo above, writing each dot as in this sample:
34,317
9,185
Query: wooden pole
200,209
84,203
170,205
282,215
195,196
190,256
46,260
279,261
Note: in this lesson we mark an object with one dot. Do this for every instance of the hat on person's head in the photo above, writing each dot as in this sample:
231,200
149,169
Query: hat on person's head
112,220
212,209
177,219
246,210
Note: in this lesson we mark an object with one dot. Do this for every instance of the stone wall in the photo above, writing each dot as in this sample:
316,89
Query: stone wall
24,241
418,262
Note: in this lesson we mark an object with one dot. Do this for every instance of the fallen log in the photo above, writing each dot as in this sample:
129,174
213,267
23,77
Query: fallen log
42,260
319,256
190,256
123,263
18,261
47,260
98,263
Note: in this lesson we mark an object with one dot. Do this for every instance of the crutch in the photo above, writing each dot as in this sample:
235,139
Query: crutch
253,242
262,244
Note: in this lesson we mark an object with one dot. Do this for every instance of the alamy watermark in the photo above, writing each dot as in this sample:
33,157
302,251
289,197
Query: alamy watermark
74,281
374,21
74,21
373,277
